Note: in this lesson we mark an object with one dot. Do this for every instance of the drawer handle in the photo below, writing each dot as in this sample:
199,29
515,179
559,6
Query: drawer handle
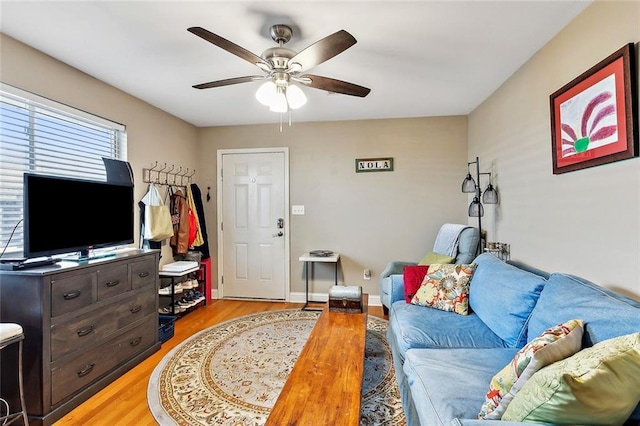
112,283
72,295
136,309
85,331
143,274
86,370
136,341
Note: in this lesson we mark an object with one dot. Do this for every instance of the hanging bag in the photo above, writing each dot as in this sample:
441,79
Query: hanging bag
157,219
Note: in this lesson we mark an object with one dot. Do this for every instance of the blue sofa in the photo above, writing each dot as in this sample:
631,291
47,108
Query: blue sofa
444,362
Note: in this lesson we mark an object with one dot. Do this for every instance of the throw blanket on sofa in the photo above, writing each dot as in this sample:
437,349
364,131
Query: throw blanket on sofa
447,239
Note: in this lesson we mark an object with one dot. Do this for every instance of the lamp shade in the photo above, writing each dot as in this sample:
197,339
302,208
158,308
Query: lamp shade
468,185
296,97
266,93
279,103
475,208
490,195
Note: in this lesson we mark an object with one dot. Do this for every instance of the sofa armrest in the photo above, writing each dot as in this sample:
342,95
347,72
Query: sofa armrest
395,267
396,290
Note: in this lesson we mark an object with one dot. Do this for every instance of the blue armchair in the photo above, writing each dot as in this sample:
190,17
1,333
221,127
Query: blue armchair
460,240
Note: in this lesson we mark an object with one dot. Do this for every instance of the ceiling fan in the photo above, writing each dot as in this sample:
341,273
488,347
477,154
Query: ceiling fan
283,66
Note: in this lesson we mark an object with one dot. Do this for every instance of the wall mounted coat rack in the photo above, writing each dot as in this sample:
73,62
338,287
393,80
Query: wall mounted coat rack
165,175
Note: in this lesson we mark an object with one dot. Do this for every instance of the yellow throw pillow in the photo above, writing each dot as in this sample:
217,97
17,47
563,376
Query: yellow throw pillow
433,257
598,385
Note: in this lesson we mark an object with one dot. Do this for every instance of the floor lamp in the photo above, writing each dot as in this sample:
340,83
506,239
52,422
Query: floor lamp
489,196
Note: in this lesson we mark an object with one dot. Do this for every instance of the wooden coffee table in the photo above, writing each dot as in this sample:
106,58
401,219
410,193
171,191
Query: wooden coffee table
325,385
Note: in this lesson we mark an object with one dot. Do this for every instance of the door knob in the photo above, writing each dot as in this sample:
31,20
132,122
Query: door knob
279,234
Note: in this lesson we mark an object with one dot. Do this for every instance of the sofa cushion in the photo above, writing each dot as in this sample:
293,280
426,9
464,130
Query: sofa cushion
446,287
413,275
433,257
555,344
503,297
450,383
412,326
598,385
605,314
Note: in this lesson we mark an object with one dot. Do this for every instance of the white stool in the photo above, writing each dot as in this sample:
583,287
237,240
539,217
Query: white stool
9,334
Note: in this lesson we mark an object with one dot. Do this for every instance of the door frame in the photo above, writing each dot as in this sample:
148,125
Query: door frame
287,260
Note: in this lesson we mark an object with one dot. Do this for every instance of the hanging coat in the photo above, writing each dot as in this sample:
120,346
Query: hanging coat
198,240
197,198
180,219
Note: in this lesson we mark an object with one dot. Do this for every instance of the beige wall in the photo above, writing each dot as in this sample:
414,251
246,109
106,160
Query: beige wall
152,134
584,222
370,218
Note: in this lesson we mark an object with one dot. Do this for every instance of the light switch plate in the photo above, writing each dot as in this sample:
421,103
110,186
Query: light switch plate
297,210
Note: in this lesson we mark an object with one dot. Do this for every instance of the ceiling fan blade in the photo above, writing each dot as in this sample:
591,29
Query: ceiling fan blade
333,85
229,81
230,47
324,49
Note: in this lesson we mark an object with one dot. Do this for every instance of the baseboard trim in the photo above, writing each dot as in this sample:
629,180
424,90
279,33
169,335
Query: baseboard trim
299,297
296,297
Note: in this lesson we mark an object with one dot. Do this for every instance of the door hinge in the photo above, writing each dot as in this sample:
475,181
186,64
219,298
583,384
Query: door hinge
222,226
222,279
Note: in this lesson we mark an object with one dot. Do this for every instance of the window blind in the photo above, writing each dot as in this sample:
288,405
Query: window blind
38,135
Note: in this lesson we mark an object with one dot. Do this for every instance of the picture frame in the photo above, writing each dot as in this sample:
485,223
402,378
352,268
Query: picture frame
367,165
594,117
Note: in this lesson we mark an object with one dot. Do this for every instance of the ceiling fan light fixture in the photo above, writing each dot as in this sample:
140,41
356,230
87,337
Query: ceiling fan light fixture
295,97
266,93
279,102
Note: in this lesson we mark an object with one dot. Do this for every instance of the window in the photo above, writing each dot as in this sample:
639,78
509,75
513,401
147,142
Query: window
38,135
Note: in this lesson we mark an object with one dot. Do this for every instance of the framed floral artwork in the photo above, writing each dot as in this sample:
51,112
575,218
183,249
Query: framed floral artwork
594,117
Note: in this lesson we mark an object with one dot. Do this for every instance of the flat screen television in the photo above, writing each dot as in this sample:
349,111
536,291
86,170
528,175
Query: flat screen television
65,215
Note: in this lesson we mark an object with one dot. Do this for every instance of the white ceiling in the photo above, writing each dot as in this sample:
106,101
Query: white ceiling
419,58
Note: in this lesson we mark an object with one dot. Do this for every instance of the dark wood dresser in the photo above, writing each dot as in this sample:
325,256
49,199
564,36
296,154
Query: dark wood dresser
85,324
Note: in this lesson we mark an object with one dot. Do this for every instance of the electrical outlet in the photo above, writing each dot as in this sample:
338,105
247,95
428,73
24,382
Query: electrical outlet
367,274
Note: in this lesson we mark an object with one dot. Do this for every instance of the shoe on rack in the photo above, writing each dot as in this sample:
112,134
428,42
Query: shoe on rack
165,310
177,288
198,297
185,303
165,291
178,308
186,285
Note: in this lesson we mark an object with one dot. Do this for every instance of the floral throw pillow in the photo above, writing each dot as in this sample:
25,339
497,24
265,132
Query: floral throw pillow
446,287
555,344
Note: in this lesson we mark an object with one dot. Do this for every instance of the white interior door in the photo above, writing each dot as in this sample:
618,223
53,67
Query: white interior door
254,225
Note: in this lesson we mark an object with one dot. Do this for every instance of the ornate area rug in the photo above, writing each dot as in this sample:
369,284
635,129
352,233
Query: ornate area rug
232,373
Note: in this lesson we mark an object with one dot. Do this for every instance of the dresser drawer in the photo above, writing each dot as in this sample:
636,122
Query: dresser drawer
143,273
72,293
112,281
73,375
95,327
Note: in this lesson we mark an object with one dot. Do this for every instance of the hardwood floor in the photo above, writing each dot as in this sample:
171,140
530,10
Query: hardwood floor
125,400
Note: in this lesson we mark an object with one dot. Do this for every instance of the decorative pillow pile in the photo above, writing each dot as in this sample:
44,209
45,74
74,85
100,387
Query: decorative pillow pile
598,385
413,277
446,287
555,344
433,257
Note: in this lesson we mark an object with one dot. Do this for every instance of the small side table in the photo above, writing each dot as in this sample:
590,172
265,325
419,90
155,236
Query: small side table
308,259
